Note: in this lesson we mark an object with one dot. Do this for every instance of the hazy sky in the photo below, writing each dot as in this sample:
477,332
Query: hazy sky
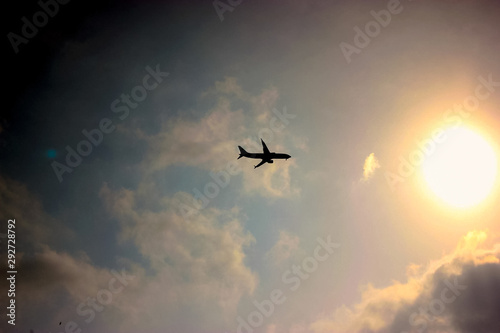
118,147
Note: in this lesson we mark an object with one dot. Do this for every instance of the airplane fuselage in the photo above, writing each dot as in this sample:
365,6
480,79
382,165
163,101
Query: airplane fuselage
266,157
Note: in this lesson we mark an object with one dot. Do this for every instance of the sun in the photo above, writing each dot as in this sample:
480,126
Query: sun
462,170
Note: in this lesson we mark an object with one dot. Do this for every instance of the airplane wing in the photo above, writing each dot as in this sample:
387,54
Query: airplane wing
258,165
266,151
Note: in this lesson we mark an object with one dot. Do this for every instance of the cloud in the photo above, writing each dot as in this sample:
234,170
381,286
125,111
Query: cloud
477,309
270,180
229,86
53,286
284,248
205,143
197,267
36,226
210,142
185,270
457,293
371,164
48,277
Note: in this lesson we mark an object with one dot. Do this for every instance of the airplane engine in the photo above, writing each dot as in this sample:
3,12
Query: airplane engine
271,161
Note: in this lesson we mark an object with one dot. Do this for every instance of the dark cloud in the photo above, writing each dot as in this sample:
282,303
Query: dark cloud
477,310
467,303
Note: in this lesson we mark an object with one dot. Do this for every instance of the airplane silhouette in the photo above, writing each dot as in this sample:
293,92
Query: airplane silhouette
267,156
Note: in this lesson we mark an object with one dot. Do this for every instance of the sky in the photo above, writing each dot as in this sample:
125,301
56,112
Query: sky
119,141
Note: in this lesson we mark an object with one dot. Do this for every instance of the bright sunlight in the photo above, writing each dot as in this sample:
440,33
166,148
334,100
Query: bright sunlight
463,169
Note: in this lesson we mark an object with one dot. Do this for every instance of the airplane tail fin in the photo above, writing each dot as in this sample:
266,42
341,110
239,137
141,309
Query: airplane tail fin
243,152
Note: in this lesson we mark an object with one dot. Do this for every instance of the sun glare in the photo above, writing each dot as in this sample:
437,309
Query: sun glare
463,169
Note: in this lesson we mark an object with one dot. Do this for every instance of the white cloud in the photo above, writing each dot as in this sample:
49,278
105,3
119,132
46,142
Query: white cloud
53,282
211,142
197,265
285,247
370,166
36,226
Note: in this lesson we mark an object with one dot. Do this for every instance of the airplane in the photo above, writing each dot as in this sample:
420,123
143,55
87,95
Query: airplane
267,156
